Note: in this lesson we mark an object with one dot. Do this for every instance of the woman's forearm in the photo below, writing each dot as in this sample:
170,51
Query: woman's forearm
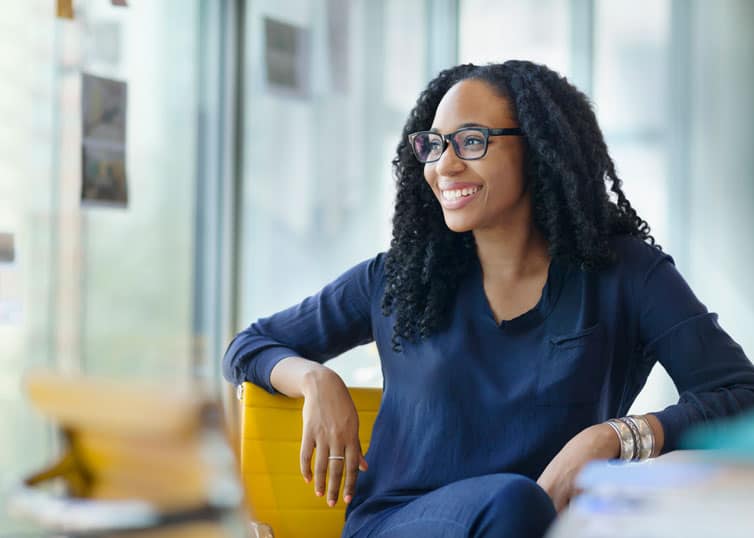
293,376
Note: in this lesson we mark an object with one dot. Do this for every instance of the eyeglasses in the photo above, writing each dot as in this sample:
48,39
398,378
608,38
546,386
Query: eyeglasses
469,143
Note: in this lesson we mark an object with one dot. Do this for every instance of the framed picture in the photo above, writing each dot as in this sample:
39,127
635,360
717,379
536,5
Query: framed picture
104,109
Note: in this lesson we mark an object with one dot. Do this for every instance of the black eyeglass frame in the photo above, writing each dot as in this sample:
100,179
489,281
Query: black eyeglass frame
450,137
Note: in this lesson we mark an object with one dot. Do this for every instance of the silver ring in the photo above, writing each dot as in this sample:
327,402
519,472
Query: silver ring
336,458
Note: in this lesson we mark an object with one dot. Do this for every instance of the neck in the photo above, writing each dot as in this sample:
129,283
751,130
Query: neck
512,250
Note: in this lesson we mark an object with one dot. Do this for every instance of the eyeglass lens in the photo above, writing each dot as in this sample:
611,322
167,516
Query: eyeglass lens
468,144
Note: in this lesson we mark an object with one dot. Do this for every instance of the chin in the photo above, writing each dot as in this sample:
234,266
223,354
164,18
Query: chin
458,225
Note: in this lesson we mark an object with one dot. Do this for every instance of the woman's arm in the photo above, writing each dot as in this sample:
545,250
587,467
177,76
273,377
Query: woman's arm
713,376
322,326
284,352
331,424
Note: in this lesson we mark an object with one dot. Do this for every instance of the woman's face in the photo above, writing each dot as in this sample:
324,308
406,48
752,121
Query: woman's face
497,178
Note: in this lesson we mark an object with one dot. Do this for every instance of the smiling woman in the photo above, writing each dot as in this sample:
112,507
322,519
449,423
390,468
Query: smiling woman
517,314
450,173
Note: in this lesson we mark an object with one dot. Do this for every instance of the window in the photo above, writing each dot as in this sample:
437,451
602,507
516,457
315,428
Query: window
328,87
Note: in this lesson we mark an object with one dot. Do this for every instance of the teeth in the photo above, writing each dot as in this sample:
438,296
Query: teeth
456,194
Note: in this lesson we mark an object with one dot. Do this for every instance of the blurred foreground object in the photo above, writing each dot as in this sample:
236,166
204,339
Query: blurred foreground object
271,427
731,439
685,493
64,9
136,457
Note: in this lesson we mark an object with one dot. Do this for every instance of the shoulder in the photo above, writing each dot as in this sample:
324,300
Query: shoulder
374,266
635,258
368,274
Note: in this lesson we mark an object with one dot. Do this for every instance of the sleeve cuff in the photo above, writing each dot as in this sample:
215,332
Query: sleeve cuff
674,421
259,368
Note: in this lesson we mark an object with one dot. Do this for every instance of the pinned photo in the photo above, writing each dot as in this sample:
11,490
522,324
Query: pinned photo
286,59
7,248
104,172
104,108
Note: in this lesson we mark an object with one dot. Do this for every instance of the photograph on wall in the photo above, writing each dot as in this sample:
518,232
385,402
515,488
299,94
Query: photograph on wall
286,49
104,176
7,248
104,107
10,290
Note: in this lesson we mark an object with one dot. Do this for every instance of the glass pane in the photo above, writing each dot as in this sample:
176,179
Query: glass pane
499,30
631,48
103,289
318,141
631,66
27,132
720,185
136,263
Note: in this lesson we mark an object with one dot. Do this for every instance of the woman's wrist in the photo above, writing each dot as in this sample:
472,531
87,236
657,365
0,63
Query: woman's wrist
608,440
316,377
639,437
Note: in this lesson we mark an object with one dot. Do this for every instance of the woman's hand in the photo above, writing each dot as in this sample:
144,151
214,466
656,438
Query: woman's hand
331,424
598,442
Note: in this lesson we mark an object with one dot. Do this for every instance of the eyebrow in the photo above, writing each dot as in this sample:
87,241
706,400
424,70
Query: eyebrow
436,130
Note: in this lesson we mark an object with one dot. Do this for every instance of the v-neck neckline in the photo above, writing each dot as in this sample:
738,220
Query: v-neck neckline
532,317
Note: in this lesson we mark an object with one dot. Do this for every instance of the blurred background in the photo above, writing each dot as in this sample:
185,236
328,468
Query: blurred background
259,140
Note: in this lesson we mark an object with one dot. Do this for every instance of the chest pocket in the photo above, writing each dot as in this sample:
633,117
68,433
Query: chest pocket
573,369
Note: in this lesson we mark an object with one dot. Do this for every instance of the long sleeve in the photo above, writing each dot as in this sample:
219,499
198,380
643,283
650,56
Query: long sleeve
324,325
713,376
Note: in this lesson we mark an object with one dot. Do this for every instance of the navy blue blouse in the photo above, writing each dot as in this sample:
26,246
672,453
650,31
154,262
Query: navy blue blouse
482,397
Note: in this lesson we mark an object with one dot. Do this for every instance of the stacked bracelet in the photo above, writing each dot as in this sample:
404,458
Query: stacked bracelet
646,436
635,436
626,438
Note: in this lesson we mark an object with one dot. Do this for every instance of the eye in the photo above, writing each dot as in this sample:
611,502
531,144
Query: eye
473,140
435,145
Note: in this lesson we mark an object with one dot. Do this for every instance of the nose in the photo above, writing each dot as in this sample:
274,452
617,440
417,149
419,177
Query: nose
449,163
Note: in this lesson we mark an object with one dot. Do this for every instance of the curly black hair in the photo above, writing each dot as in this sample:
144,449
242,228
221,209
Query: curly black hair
566,169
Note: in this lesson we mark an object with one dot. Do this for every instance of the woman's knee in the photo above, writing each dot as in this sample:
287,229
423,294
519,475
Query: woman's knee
518,507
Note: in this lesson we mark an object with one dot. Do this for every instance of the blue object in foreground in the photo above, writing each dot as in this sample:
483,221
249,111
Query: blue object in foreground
644,475
729,438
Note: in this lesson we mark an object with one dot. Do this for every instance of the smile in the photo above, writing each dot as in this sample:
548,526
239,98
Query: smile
457,198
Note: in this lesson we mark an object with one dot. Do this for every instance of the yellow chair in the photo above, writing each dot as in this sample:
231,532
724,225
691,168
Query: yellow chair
276,493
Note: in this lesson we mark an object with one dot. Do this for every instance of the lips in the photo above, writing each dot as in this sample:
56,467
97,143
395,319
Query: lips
454,185
458,195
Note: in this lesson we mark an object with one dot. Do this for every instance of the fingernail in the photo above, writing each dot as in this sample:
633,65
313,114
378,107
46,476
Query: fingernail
319,494
330,503
347,498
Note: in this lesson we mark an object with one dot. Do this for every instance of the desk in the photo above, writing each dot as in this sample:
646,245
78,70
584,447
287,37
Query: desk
685,493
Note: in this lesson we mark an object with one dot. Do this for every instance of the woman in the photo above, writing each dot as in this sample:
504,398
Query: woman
518,311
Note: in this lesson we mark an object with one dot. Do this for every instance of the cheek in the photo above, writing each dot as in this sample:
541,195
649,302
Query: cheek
429,175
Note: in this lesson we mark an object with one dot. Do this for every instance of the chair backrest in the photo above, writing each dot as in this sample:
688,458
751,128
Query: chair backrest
270,446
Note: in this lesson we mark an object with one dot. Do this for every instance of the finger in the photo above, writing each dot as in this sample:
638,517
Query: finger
336,473
307,446
363,465
320,468
353,458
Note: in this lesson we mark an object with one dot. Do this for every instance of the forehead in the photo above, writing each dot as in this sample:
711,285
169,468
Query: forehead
472,101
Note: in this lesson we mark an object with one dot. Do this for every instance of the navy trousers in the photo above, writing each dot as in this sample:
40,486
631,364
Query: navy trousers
496,505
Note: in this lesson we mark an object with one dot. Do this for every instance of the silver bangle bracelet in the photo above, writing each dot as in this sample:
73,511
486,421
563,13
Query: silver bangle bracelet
647,436
638,447
626,438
